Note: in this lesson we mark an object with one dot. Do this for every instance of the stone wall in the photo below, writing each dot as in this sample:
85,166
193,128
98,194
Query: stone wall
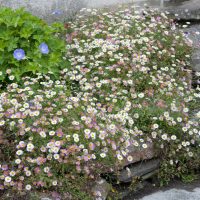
54,10
50,10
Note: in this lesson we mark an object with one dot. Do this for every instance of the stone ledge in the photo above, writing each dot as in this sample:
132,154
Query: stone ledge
138,170
139,154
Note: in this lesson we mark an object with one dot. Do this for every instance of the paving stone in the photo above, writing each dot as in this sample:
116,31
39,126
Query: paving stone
174,194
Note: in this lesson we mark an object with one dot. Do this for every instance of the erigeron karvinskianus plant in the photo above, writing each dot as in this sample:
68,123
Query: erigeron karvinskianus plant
53,134
132,89
138,59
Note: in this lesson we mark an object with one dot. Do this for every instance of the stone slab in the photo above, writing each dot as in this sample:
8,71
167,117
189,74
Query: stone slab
174,194
138,170
139,154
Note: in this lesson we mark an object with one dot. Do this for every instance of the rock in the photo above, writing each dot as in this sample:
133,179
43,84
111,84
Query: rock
149,175
188,10
196,60
137,188
103,3
193,33
54,10
101,189
139,154
175,194
127,191
138,170
58,10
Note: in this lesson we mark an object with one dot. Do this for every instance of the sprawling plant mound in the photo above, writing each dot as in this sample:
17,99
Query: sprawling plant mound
27,44
50,132
137,66
129,85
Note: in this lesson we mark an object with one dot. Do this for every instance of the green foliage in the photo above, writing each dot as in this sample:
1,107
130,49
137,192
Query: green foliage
21,30
188,178
178,166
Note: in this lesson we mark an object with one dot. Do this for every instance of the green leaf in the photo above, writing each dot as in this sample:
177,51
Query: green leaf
12,45
26,32
2,45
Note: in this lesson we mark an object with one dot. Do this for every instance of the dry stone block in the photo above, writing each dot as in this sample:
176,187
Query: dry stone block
138,170
139,154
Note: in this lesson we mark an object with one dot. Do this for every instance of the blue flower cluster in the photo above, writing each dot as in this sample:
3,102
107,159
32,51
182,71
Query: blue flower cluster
19,54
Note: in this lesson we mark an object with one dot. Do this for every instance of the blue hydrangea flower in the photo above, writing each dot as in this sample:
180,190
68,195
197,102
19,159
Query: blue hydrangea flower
19,54
44,48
